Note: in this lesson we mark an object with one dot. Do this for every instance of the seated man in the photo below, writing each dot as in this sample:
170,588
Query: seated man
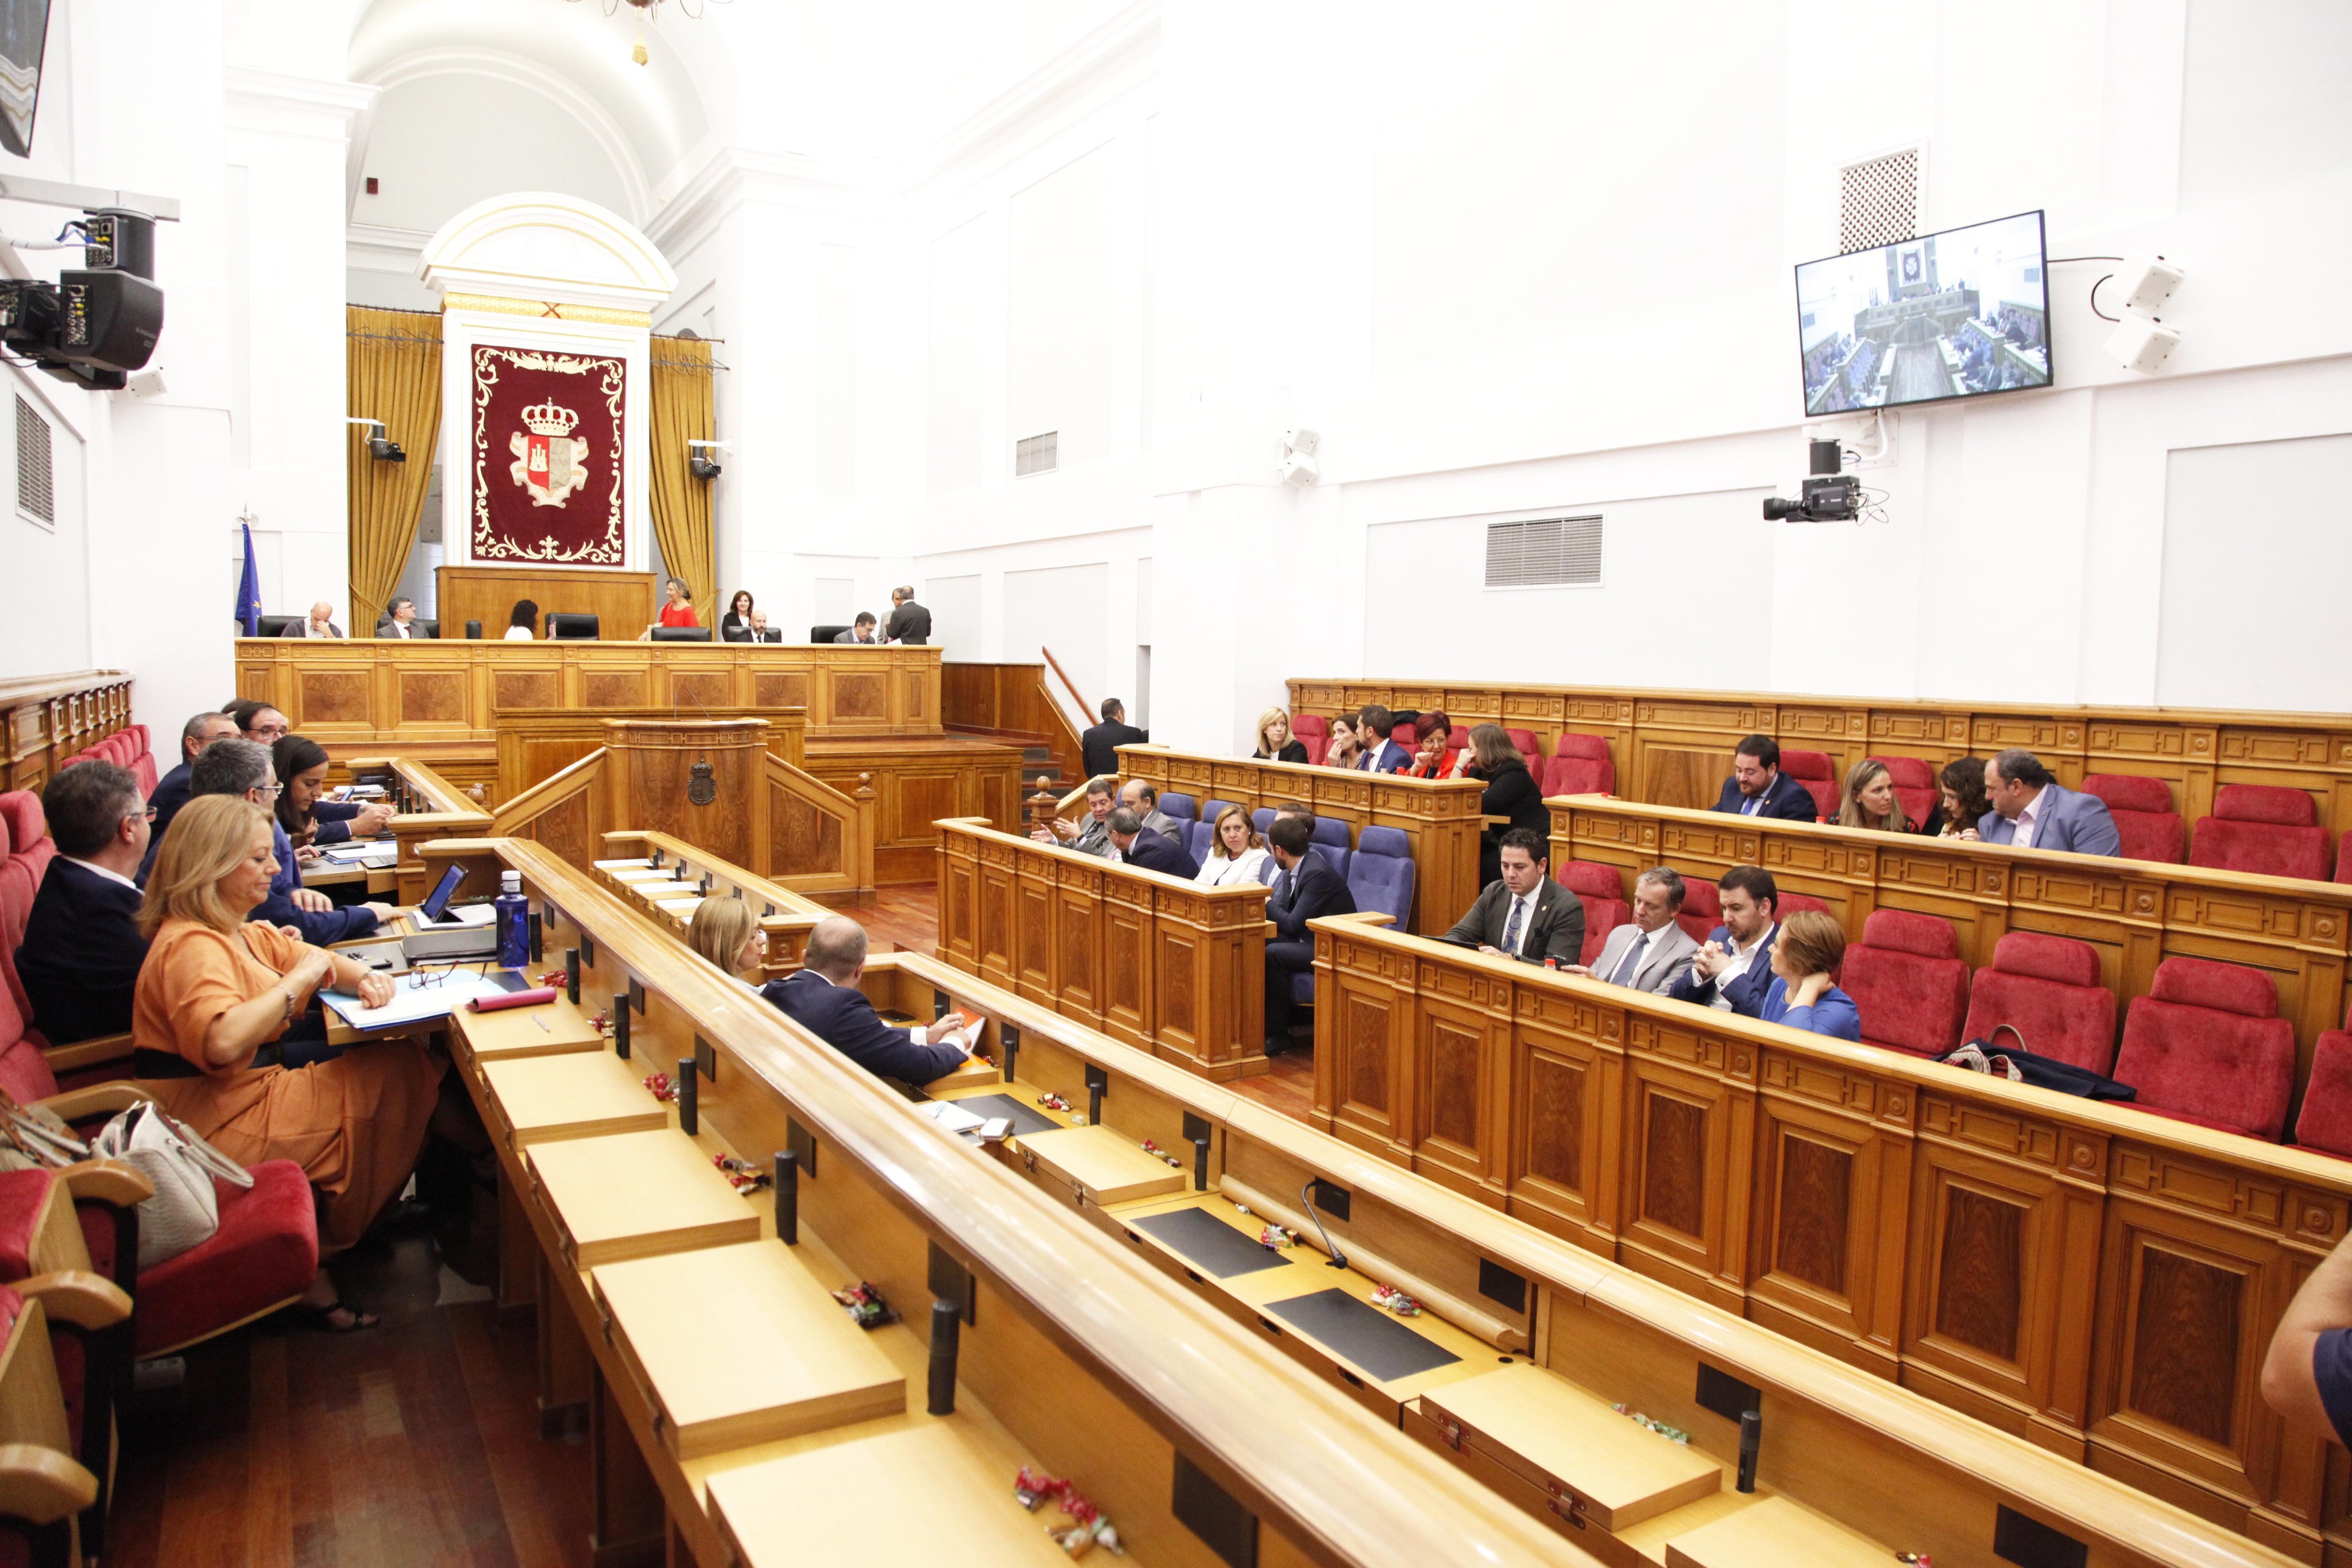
1733,969
1138,845
758,630
1140,796
1270,868
171,790
1091,835
1758,788
1381,755
822,997
81,956
242,768
2031,810
1305,889
1651,951
1526,916
860,631
256,721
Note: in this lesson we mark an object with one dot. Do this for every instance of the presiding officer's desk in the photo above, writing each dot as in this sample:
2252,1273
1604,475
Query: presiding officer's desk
729,1414
1525,1341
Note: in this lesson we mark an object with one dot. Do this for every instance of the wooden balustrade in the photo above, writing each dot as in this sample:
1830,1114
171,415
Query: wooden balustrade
2098,1281
44,719
2135,912
1009,700
1165,965
1674,748
1894,1467
429,806
1439,817
786,915
1072,1354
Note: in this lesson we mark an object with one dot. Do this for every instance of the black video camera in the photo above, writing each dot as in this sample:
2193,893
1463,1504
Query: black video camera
98,321
1829,497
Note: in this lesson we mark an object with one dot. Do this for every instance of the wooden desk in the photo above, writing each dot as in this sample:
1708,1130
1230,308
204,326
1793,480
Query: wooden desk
636,1195
1557,1436
1775,1533
556,1095
45,719
622,601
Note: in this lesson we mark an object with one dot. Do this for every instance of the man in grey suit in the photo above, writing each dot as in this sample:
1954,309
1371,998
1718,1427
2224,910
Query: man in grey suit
1650,952
1139,796
1089,834
861,631
1525,914
399,619
2031,810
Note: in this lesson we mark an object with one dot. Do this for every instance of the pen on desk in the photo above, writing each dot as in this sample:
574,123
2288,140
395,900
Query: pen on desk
541,1023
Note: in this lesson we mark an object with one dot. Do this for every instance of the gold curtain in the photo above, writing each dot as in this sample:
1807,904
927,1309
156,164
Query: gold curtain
394,374
683,412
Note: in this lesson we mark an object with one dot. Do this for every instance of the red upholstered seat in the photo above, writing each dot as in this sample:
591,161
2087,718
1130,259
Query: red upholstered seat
1313,731
2148,827
1906,980
1404,735
1813,769
2206,1045
264,1254
1915,789
2265,828
1702,909
1792,902
1579,765
2047,988
29,831
1602,890
2325,1123
1524,739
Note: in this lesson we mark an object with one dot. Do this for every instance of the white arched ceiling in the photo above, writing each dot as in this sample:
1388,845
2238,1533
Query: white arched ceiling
429,129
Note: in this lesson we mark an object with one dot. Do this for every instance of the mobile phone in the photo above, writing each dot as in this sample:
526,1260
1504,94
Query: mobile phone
996,1129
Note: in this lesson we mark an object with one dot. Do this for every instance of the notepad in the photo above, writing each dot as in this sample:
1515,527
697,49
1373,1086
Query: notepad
415,997
949,1115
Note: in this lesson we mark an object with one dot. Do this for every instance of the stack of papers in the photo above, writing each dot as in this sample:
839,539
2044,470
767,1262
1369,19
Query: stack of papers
948,1115
368,851
412,1003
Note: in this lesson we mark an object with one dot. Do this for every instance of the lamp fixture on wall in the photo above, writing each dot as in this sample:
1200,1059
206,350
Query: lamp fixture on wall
699,466
1298,464
379,446
693,9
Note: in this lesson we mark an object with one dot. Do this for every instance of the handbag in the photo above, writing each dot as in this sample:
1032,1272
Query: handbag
2023,1066
185,1210
34,1137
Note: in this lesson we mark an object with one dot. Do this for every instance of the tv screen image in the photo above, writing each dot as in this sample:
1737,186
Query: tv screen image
24,33
1957,314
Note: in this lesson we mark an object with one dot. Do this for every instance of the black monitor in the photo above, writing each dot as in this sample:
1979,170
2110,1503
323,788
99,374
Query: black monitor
436,902
24,35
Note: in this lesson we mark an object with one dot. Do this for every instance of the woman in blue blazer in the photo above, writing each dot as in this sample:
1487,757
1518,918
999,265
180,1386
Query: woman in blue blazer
1801,996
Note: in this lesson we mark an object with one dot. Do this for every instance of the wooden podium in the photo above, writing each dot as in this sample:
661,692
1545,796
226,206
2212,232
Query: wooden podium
624,602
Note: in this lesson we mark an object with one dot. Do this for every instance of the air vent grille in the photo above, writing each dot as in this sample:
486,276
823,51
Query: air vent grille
1878,201
1036,453
36,494
1544,552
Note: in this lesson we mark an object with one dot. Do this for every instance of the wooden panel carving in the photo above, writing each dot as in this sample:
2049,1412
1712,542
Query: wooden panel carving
923,799
1981,1275
807,841
1364,1044
1454,1083
1556,1120
1173,980
613,688
432,696
332,696
567,829
860,695
1811,1239
780,688
1673,1162
523,688
2184,1366
707,687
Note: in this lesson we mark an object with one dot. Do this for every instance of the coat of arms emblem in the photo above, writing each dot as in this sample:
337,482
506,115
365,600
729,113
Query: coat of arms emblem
549,461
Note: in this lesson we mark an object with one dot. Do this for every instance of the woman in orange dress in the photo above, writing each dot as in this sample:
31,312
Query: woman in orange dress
217,988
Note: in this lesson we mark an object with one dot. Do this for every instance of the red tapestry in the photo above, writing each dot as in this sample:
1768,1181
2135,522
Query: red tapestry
548,450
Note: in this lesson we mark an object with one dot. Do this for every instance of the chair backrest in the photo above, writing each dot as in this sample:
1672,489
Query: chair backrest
1791,902
1199,838
1702,909
23,1070
825,634
1601,915
1211,809
1329,839
1382,874
2048,989
1914,789
681,634
1591,878
275,625
1813,769
1458,736
1306,724
1908,981
2325,1122
1602,890
1181,808
1262,818
1405,735
2265,828
570,625
1579,765
2147,826
2205,1044
1524,739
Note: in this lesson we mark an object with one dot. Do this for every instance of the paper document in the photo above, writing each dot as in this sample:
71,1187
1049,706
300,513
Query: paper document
628,869
464,914
965,1039
948,1115
677,906
367,851
445,991
359,792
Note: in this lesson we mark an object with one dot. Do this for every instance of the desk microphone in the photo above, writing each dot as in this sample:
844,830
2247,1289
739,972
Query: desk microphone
1306,1201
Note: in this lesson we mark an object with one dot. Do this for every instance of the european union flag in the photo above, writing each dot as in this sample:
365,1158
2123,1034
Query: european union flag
248,591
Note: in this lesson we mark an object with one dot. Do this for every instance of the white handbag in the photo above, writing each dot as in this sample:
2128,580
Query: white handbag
184,1211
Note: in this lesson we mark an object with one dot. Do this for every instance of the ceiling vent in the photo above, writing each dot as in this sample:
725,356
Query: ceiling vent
1879,201
1544,552
1036,453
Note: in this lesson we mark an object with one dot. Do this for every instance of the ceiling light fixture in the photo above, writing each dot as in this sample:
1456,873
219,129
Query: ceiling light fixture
693,9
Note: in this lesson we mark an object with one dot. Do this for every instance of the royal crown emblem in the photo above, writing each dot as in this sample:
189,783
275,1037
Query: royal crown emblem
549,461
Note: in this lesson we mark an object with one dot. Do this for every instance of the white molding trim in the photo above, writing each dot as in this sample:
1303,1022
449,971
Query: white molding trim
374,247
275,104
540,245
603,129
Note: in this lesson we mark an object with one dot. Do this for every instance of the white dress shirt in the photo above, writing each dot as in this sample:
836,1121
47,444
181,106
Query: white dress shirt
1741,958
518,634
101,870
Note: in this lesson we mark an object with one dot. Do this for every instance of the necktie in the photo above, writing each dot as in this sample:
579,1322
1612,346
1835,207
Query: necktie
1749,808
1511,927
1632,964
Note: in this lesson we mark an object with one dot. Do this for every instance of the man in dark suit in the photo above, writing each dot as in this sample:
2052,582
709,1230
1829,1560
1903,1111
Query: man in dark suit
859,630
1375,724
1099,746
822,997
1733,969
1526,916
1142,796
909,622
399,619
1758,788
1305,889
758,630
1138,845
171,790
81,956
320,623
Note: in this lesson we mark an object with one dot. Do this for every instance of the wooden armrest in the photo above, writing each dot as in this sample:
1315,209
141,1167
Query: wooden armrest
1493,821
1373,917
1273,932
76,1296
42,1485
108,1181
84,1053
76,1103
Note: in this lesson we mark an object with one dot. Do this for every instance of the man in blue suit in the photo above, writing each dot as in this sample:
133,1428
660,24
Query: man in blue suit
1387,757
1733,969
822,997
1305,889
1138,845
171,790
242,768
1758,788
81,957
2032,812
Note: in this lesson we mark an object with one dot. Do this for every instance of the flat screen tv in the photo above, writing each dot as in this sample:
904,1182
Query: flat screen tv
23,33
1957,314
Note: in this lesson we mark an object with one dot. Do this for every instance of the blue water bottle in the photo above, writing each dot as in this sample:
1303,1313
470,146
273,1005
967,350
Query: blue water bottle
513,921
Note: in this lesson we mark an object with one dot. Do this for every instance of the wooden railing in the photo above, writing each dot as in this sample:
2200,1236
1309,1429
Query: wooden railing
1075,1357
1010,700
1168,966
1439,817
428,807
1894,1467
820,839
1068,684
786,915
1674,748
2098,1281
44,719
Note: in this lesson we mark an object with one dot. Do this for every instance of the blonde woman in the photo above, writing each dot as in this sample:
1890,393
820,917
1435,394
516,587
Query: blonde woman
216,991
1870,800
726,932
1275,741
1237,851
1810,946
